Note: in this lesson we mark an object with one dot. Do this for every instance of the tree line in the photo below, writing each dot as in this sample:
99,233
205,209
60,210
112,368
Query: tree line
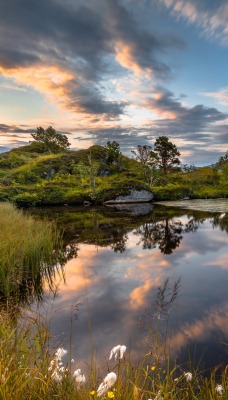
164,155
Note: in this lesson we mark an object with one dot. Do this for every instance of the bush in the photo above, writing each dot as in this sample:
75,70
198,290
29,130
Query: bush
171,192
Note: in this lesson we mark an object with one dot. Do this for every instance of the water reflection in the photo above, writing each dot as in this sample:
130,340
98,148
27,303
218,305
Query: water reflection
122,260
33,283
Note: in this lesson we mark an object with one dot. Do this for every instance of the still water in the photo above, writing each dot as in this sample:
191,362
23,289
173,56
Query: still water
133,269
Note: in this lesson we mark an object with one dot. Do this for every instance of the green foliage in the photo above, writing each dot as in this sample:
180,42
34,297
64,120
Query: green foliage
54,142
32,178
223,161
113,152
167,153
171,192
26,199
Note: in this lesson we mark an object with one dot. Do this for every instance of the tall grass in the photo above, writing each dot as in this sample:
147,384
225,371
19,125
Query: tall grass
28,251
26,372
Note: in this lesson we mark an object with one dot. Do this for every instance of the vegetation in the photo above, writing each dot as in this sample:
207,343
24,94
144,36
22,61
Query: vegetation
30,250
43,174
52,141
30,370
166,153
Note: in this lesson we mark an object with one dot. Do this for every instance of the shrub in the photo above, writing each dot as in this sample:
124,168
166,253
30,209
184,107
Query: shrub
171,192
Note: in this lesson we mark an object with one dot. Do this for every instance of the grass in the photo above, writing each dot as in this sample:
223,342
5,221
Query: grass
29,369
28,251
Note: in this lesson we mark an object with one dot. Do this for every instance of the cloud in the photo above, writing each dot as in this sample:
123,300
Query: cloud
72,49
194,123
221,95
198,125
210,17
201,329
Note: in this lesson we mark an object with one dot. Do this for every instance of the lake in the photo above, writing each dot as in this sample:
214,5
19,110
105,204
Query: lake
136,268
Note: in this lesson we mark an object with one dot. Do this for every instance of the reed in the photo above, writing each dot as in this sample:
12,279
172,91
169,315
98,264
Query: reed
29,251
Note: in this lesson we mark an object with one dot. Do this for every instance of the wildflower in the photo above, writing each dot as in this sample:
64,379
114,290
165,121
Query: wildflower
111,395
176,379
159,396
56,365
57,376
117,351
92,392
79,377
107,383
219,389
60,352
188,376
153,368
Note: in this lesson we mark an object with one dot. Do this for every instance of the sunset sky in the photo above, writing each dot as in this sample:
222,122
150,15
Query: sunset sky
124,70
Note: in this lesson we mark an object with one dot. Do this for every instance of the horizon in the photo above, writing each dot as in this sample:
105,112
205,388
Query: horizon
125,71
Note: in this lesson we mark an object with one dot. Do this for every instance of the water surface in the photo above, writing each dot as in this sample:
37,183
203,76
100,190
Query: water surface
121,258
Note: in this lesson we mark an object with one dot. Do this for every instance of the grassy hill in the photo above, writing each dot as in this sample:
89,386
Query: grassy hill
28,176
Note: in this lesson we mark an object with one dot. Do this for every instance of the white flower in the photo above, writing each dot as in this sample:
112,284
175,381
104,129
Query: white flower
56,365
57,376
188,376
79,377
117,351
219,389
52,365
60,352
159,396
107,383
176,379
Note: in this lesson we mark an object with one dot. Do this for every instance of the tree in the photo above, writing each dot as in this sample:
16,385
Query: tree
89,171
148,159
113,152
223,160
144,154
167,153
53,142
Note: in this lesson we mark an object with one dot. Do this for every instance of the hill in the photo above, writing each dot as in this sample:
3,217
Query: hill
31,177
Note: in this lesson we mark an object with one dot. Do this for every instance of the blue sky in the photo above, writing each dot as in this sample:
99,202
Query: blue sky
123,70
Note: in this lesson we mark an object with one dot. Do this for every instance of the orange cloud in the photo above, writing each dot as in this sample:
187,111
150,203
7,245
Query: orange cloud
221,262
216,318
125,57
138,295
48,80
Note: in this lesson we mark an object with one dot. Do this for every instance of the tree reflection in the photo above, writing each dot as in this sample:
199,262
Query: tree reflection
119,243
221,221
166,234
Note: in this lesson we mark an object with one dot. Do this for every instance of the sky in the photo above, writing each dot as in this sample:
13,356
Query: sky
123,70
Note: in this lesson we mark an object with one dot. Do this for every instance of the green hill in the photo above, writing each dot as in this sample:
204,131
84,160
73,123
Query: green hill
31,177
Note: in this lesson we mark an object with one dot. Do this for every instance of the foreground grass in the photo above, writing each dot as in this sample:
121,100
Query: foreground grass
29,369
27,250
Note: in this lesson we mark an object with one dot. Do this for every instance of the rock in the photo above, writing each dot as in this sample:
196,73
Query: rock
49,174
104,173
136,196
86,203
133,209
